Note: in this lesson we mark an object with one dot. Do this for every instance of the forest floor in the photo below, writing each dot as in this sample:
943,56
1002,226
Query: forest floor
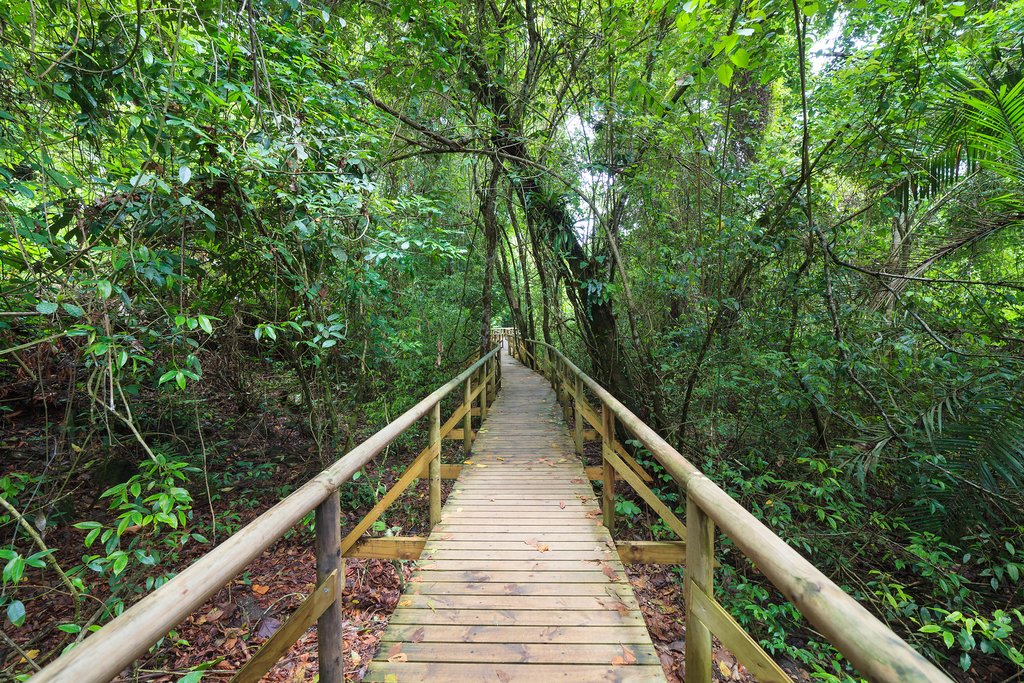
255,464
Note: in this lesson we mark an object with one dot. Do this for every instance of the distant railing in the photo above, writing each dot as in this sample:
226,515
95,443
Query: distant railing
104,654
876,652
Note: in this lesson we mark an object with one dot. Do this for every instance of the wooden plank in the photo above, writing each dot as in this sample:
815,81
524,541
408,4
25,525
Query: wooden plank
457,435
520,653
652,552
633,464
431,672
596,587
751,655
483,617
389,548
531,603
322,597
517,634
522,565
583,575
662,510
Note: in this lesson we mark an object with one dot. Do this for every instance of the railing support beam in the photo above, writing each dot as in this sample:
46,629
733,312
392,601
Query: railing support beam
608,470
700,547
467,421
435,465
330,644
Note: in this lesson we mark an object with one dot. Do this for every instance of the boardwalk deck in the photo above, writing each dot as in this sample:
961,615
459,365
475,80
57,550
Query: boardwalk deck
520,581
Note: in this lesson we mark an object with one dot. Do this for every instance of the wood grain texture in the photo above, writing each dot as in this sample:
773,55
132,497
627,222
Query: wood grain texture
519,581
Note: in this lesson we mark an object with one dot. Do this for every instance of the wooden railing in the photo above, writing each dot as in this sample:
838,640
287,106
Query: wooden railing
104,654
876,652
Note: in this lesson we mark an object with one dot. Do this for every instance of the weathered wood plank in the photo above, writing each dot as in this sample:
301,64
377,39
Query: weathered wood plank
389,548
414,672
652,552
519,653
518,634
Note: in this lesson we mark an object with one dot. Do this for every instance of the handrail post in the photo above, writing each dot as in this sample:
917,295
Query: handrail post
467,421
578,417
607,471
700,547
435,465
330,644
483,393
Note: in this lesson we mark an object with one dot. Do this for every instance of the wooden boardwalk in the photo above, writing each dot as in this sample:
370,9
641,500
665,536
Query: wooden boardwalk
520,581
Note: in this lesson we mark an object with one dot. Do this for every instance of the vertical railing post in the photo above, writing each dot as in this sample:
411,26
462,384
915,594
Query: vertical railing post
327,520
565,393
607,471
700,548
483,393
578,416
435,465
467,421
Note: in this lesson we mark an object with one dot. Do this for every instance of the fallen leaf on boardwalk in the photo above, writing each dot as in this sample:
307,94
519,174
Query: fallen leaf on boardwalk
617,605
561,504
540,547
502,676
577,480
418,635
593,513
627,657
609,572
396,651
400,657
260,590
404,603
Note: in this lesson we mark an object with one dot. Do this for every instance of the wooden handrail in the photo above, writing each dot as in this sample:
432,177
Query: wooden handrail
104,654
862,638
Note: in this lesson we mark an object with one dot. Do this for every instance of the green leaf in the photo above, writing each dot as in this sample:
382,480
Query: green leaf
191,677
74,310
184,174
205,323
947,636
810,9
740,58
725,74
956,9
46,307
16,612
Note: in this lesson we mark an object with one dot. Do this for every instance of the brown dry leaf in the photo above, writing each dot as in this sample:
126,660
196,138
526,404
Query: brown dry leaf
594,513
628,655
418,635
502,676
214,614
404,603
400,657
561,504
537,545
260,590
609,572
395,652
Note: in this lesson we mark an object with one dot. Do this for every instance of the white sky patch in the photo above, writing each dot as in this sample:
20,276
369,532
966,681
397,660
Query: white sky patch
823,47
